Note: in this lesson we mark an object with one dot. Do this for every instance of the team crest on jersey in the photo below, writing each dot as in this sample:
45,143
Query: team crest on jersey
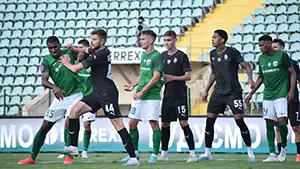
225,57
219,59
168,61
175,60
269,64
275,63
148,62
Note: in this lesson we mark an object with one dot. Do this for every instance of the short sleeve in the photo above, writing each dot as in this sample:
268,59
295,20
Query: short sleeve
186,64
259,69
286,60
44,67
98,57
237,56
158,63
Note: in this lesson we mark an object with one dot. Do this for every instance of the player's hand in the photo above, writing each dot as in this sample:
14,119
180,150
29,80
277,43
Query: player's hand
204,96
168,78
64,60
248,98
137,95
80,57
70,46
58,93
290,96
128,87
251,83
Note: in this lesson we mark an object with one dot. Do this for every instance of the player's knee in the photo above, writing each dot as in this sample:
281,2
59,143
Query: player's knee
183,123
165,124
133,123
282,120
73,114
87,126
296,129
212,115
277,129
117,123
154,124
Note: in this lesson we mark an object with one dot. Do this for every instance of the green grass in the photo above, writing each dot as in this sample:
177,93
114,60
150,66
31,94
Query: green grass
176,161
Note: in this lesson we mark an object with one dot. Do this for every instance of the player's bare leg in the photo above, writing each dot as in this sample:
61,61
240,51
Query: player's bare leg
86,138
296,130
127,141
189,137
156,141
278,138
38,142
134,133
239,119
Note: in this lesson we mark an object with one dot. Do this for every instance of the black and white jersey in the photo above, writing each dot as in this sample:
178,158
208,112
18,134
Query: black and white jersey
101,76
177,65
225,67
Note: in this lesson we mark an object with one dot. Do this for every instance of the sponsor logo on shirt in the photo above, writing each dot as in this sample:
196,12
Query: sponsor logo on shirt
275,63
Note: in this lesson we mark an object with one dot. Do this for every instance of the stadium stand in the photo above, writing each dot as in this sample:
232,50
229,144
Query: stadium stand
25,25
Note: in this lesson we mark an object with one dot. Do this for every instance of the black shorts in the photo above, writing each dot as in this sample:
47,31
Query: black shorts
111,108
218,102
173,108
293,114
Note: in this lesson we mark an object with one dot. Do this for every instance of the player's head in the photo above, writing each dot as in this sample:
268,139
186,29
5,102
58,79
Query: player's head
147,39
219,37
53,45
98,38
83,43
278,44
265,43
170,39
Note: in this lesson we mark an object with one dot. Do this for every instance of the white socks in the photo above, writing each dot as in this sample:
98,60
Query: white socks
208,151
164,153
192,153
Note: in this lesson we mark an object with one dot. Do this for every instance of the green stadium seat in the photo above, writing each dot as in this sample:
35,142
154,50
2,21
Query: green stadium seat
155,29
176,13
294,27
112,23
154,4
18,25
91,24
26,99
20,80
249,57
50,16
110,41
248,48
270,10
70,24
282,28
12,61
40,16
20,71
19,16
101,23
31,7
69,33
81,15
124,5
295,37
38,33
61,7
7,25
198,3
22,61
154,22
13,52
3,61
113,5
145,5
281,9
186,13
11,7
72,6
155,13
28,90
145,13
38,24
59,32
296,56
259,28
102,15
166,4
134,5
4,42
281,19
247,20
28,25
293,9
6,82
176,4
165,13
259,19
186,4
1,17
38,90
27,33
165,22
290,2
248,38
15,100
207,3
16,33
131,41
134,14
41,7
60,15
123,14
60,24
92,6
3,52
293,18
14,110
186,22
11,70
112,32
2,7
51,7
237,29
123,23
15,42
270,19
71,15
80,33
122,32
30,80
273,35
29,16
198,12
236,39
271,28
131,31
256,50
284,36
295,47
2,70
259,11
163,30
122,41
92,15
237,46
176,22
68,41
161,41
279,2
9,17
35,52
103,6
32,70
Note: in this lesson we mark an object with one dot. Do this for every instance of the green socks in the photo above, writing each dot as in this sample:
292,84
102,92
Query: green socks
283,133
86,139
38,142
271,136
67,137
134,133
156,141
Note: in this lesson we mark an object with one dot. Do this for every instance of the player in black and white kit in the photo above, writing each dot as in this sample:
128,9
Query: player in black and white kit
176,71
104,95
227,91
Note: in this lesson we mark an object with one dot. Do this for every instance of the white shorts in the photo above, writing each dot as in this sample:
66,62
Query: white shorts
58,109
89,117
145,110
273,109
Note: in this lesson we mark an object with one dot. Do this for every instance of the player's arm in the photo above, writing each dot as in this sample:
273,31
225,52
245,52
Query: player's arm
287,64
186,68
258,82
211,80
151,83
74,68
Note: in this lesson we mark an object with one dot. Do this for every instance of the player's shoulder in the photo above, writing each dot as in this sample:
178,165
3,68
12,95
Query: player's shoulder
164,53
181,53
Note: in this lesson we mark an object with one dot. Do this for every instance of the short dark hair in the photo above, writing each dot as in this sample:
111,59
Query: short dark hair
223,34
170,33
265,38
100,32
280,41
84,42
150,33
52,39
